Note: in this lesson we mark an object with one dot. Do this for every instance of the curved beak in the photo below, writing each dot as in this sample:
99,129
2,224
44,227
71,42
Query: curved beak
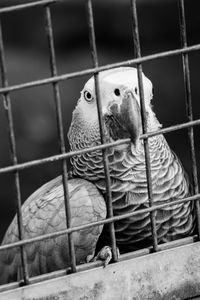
127,112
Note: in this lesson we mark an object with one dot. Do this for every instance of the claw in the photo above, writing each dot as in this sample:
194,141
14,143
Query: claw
105,254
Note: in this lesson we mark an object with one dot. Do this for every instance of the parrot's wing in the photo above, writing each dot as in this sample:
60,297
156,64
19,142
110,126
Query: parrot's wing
44,212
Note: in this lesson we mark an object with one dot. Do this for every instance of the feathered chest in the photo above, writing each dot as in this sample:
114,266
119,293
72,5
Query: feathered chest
128,170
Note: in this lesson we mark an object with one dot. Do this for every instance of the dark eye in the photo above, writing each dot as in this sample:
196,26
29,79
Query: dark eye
117,92
136,90
88,96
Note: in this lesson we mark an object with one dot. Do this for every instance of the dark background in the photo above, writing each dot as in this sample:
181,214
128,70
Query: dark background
27,59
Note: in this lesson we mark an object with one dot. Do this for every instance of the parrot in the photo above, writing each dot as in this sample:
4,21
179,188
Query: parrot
44,212
121,113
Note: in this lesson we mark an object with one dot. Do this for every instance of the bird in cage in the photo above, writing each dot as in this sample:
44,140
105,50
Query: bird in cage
121,112
44,212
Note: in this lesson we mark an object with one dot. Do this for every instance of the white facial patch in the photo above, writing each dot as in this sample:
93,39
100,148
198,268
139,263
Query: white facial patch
126,78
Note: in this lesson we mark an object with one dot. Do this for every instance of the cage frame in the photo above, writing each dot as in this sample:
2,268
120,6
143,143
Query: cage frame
53,80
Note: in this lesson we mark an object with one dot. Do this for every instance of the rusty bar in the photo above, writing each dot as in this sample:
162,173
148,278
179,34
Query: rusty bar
91,71
13,154
188,102
144,120
52,56
97,223
57,157
93,50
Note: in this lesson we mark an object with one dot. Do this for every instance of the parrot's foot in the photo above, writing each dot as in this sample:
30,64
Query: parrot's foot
105,254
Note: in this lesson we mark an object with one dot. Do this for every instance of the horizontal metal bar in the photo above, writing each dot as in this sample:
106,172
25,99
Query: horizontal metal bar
58,157
98,69
106,221
11,8
171,128
161,247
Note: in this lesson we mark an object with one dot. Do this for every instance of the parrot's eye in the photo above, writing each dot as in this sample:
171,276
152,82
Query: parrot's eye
88,96
117,92
136,90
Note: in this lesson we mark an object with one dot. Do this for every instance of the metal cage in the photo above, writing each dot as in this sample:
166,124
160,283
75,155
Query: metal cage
6,91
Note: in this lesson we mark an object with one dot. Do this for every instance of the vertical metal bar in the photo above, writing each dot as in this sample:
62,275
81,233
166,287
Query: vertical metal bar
13,153
144,120
188,102
49,32
93,48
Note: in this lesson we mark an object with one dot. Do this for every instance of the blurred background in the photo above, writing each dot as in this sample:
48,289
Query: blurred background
27,59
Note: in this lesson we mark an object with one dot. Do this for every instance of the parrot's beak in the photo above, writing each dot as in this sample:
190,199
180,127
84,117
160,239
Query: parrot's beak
127,112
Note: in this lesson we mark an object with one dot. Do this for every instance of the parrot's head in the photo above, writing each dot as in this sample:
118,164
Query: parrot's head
119,95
